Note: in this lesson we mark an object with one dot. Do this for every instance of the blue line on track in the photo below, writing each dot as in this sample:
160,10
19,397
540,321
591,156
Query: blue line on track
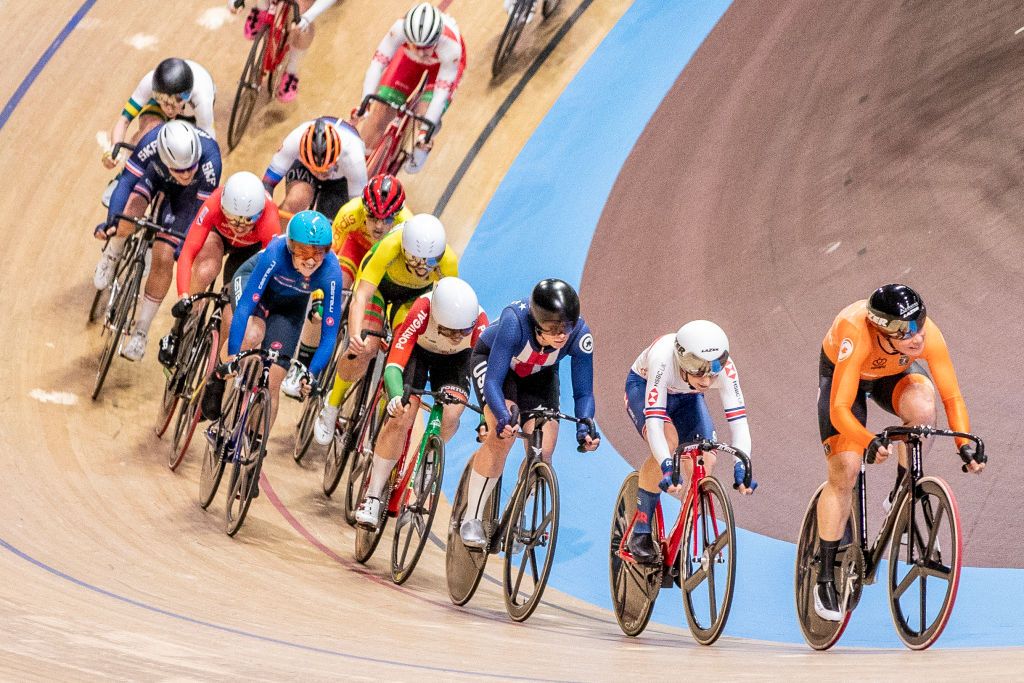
12,103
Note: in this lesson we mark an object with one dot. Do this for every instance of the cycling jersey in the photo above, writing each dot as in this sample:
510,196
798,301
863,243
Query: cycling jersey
385,265
198,107
658,365
859,352
351,164
351,238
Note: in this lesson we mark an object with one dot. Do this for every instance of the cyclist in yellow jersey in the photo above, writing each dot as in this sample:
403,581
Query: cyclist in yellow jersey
399,268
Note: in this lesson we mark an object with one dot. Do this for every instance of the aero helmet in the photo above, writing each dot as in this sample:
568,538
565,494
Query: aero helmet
454,304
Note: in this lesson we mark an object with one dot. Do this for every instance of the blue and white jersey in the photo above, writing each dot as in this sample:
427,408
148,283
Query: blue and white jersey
510,345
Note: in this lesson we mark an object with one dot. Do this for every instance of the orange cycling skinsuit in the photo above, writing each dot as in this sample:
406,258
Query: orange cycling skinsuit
857,360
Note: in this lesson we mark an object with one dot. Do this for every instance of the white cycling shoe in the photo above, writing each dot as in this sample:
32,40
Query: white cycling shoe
135,349
292,384
826,602
472,533
323,428
368,513
105,269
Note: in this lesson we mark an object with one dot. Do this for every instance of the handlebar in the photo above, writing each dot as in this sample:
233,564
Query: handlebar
119,146
925,431
368,333
440,397
548,414
706,445
267,355
139,222
401,109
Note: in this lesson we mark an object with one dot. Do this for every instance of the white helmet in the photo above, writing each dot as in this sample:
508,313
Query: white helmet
454,304
423,25
243,196
178,145
701,348
423,237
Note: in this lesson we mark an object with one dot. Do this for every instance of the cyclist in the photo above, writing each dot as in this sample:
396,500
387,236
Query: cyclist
301,38
179,167
435,343
270,293
360,224
665,400
237,220
425,42
396,270
322,160
515,363
873,348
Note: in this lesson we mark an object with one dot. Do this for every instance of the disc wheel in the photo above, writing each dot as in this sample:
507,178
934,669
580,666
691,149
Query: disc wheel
201,365
708,571
416,511
124,294
510,36
924,573
819,633
248,89
464,566
634,586
247,463
534,534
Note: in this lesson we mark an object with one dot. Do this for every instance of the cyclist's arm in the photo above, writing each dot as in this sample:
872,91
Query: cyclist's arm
405,339
845,383
499,361
316,9
330,283
254,287
140,97
385,52
481,324
282,159
194,241
450,53
269,225
734,406
936,353
582,352
659,368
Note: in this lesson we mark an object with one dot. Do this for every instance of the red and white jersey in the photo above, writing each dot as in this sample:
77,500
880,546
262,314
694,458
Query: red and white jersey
447,53
419,328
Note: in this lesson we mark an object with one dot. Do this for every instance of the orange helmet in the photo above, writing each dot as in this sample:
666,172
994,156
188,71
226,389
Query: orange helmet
320,146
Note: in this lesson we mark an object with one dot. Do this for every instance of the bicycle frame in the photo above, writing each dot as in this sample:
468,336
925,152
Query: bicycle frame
392,150
280,20
267,359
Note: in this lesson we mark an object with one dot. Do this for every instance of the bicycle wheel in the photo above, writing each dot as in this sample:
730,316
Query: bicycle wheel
548,7
201,363
707,562
924,574
361,456
634,586
368,538
819,633
463,567
311,407
341,447
534,526
174,386
124,297
416,512
248,89
99,304
213,463
248,461
510,36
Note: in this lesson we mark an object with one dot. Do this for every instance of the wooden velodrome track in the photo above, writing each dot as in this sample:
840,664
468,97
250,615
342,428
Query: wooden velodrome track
110,569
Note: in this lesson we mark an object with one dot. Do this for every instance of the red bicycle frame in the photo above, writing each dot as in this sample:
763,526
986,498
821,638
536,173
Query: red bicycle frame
277,17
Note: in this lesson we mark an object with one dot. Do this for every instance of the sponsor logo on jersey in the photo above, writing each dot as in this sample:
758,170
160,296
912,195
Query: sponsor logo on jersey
587,343
730,370
878,363
652,396
845,349
209,174
329,321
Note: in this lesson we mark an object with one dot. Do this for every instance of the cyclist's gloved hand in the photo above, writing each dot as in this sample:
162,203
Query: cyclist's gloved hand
973,460
181,307
671,478
307,383
396,406
104,230
509,419
587,435
739,473
871,453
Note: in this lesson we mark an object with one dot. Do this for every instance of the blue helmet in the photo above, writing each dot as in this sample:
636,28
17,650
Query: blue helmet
310,227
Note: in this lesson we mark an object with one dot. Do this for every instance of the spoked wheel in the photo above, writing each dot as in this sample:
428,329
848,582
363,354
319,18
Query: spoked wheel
361,455
416,511
248,89
530,542
168,402
548,7
925,572
246,465
311,407
367,538
819,633
510,36
213,463
634,586
464,566
201,364
340,450
123,296
707,562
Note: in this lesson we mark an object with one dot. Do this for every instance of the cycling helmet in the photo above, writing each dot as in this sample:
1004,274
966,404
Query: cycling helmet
423,237
178,145
320,146
897,311
454,304
243,196
383,196
554,301
173,77
423,25
701,348
310,227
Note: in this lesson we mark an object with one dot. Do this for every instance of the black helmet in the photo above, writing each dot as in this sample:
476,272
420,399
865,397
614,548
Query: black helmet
897,311
554,301
172,77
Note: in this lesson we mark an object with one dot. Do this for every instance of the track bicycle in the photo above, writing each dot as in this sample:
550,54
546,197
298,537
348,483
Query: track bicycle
239,438
699,555
527,530
263,66
517,19
101,299
923,535
399,139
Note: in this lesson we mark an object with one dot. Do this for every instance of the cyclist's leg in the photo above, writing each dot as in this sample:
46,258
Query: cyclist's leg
149,118
299,188
332,195
691,419
540,390
397,82
300,41
284,324
451,374
910,396
206,266
351,369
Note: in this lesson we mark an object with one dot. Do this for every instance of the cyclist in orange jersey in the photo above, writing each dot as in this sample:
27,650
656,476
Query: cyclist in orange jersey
873,348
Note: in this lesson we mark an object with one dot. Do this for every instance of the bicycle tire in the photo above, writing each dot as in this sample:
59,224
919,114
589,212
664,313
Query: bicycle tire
248,462
367,539
123,308
819,633
634,586
548,7
416,511
202,363
340,449
542,483
510,35
931,493
310,409
714,516
361,455
215,458
463,567
248,89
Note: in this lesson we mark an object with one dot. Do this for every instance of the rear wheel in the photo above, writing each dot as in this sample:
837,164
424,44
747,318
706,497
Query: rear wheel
201,366
368,538
464,566
361,454
510,36
248,461
416,511
634,586
708,571
248,89
533,532
311,407
924,573
124,294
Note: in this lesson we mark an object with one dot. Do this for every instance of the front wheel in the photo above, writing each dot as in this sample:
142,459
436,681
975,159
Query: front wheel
530,541
634,586
925,555
248,461
707,561
116,324
248,89
510,36
201,366
416,511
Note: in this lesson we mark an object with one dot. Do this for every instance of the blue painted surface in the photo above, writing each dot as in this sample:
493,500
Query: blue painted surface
540,223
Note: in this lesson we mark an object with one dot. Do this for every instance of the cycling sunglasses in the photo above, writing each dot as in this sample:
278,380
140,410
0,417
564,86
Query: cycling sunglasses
304,252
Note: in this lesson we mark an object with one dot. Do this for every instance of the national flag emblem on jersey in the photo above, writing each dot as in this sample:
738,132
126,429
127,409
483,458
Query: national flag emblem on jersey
529,362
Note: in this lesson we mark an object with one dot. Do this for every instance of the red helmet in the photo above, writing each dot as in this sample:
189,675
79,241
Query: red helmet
383,196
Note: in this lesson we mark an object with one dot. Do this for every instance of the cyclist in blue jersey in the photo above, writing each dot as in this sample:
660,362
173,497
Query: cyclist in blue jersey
178,166
271,292
515,362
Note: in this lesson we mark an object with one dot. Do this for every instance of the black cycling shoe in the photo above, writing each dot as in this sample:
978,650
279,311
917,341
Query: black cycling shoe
213,395
168,350
826,601
642,547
